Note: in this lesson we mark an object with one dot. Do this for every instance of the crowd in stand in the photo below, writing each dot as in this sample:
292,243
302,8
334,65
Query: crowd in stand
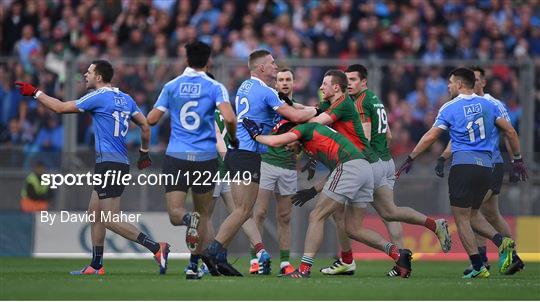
144,39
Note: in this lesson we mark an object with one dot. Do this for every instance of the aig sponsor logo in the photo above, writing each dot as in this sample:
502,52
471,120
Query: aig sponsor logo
190,89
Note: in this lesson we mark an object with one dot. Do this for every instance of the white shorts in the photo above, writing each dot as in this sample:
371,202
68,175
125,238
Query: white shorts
221,187
283,181
352,183
389,174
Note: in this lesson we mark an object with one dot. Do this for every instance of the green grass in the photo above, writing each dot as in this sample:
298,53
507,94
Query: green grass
48,279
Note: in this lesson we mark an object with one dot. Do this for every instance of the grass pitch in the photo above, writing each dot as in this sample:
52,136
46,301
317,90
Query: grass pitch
48,279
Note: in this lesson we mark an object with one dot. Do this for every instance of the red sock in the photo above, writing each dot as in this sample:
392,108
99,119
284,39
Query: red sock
347,257
430,224
304,267
394,252
258,247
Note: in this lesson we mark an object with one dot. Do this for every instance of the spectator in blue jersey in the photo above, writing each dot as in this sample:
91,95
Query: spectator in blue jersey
258,101
112,111
191,100
471,121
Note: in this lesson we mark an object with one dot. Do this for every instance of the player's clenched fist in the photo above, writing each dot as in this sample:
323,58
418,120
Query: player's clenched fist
26,89
144,160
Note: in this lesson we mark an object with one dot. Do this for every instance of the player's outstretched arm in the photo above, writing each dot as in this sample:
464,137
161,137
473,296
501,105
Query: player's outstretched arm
323,119
426,141
54,104
297,115
277,140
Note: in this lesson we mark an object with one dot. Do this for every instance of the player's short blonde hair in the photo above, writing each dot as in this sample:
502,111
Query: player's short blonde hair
255,56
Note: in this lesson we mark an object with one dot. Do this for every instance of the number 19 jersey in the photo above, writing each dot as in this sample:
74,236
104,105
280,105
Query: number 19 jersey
111,110
258,102
191,100
471,122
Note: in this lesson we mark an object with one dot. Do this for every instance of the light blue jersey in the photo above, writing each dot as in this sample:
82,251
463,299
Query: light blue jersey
258,102
111,110
191,100
471,122
497,157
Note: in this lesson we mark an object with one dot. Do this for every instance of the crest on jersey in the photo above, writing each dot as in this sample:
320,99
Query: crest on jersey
190,89
119,101
245,87
473,109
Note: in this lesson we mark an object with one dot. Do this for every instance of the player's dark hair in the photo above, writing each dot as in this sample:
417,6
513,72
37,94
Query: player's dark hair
338,77
198,54
361,69
286,127
479,69
255,55
465,75
104,69
287,69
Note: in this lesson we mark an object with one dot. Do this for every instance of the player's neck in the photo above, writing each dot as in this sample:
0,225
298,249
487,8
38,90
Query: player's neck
481,93
267,80
466,91
101,85
336,98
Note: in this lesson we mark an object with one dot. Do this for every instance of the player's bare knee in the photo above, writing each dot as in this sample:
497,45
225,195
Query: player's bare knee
284,218
259,215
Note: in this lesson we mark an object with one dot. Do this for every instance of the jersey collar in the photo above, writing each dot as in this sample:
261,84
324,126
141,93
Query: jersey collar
192,72
467,96
259,80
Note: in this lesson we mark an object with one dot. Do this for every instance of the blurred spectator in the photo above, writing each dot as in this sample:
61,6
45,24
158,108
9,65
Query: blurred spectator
35,197
27,47
145,40
50,138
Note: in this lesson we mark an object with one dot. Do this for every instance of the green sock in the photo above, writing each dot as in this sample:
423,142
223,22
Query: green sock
284,255
252,253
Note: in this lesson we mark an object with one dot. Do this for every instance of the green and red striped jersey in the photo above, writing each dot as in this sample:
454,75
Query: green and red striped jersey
347,122
326,144
371,110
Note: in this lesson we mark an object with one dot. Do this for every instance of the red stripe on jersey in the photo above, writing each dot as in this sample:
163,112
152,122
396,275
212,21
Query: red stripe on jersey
334,105
359,102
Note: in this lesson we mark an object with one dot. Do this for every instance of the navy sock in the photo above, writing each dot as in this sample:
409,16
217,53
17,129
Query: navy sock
148,243
476,261
222,256
186,220
97,257
497,239
214,248
194,259
482,250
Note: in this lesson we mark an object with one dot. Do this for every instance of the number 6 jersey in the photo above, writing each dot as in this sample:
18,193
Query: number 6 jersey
191,100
